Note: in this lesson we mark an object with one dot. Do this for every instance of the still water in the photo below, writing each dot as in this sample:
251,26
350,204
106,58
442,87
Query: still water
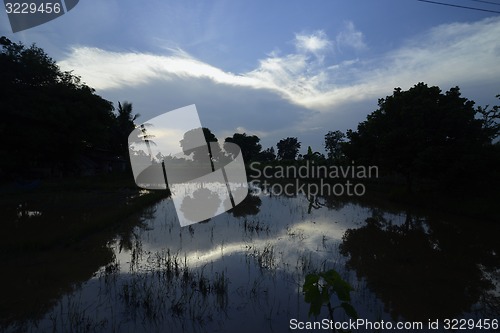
243,271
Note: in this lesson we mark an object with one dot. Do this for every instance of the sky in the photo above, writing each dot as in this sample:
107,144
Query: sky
274,69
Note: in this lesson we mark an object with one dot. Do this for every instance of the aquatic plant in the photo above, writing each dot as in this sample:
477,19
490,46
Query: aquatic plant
319,288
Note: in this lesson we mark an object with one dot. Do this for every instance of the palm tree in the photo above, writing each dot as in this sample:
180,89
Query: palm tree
124,125
125,117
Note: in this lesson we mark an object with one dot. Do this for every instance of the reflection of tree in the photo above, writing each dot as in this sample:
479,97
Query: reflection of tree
317,200
313,203
335,202
249,206
411,272
53,272
127,238
203,203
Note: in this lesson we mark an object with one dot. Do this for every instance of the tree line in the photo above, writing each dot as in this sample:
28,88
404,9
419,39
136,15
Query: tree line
422,134
418,135
51,119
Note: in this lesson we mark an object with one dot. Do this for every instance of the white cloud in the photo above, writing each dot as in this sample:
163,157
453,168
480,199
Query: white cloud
315,43
108,70
351,37
452,54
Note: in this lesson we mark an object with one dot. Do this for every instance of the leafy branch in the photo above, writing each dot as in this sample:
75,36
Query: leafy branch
319,288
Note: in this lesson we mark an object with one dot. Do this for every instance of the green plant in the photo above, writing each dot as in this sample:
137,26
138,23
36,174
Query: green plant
318,291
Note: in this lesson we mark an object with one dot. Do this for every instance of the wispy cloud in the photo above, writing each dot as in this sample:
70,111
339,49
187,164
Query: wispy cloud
316,43
111,70
351,37
448,54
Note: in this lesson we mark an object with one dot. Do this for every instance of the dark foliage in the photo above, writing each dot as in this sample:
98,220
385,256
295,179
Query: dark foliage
50,118
424,134
249,144
288,148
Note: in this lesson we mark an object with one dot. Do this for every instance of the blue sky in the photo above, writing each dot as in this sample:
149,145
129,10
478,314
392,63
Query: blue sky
274,69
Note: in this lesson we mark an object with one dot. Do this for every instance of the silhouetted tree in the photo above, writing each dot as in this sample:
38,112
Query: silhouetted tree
420,133
267,155
333,144
49,117
288,148
123,126
491,120
249,145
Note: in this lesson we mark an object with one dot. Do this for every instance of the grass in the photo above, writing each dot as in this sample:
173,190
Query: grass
266,257
173,290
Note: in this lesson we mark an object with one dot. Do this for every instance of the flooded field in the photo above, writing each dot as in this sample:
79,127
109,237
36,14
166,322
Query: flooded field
244,271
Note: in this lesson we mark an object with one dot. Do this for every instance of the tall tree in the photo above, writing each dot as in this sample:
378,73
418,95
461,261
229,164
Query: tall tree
333,144
123,126
249,145
288,148
420,133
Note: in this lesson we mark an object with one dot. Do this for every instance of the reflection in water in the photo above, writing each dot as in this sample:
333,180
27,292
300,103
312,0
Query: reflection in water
203,203
33,282
249,206
418,274
249,265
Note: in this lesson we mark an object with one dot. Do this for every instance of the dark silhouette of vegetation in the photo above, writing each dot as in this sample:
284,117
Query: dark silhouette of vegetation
333,144
51,120
123,126
267,155
313,156
423,133
491,120
288,148
319,288
52,123
249,144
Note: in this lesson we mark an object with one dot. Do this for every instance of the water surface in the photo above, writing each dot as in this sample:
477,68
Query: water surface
243,271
